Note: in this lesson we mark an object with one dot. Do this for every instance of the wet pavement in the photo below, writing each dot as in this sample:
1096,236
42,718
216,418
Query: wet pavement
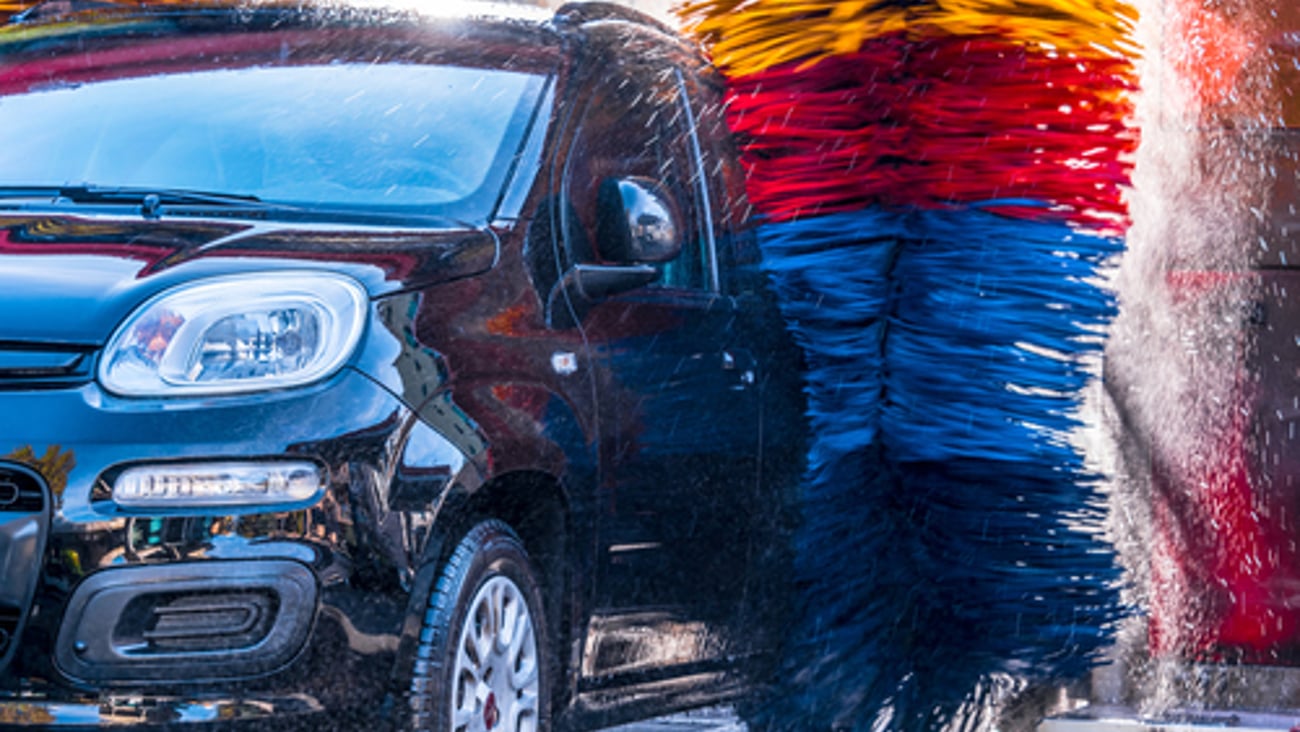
709,719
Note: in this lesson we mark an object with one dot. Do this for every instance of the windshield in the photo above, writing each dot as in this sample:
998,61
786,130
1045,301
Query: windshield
409,138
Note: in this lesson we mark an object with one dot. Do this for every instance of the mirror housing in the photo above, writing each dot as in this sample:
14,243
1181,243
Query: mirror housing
637,221
592,282
583,285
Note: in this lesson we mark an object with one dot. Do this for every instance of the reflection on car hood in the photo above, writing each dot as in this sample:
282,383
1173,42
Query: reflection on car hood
68,279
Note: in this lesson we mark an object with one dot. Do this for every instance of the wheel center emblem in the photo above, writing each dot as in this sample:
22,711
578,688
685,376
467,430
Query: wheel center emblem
491,715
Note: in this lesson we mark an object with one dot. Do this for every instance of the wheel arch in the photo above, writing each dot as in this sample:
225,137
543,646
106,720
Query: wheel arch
534,504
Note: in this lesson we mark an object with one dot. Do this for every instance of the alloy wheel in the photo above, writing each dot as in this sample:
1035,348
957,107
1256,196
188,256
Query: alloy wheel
495,683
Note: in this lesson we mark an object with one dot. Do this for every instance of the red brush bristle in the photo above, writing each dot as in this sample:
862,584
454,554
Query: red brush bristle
936,123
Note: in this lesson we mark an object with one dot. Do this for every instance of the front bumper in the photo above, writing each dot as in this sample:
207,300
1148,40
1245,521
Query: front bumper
237,614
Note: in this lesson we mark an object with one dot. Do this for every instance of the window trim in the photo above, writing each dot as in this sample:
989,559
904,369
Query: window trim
702,182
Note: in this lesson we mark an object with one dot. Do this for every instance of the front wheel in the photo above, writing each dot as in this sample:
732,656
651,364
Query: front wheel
481,665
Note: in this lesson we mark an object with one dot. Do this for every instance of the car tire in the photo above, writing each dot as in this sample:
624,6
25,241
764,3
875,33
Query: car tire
482,663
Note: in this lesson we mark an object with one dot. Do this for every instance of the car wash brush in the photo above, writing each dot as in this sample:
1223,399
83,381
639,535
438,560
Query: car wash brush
940,185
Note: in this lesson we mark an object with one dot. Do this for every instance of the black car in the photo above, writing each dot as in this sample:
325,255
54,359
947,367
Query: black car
356,362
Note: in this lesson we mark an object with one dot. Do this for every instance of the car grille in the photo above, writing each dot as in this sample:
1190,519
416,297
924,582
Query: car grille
20,493
42,366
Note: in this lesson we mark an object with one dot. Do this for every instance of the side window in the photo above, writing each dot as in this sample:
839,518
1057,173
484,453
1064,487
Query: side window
636,126
735,240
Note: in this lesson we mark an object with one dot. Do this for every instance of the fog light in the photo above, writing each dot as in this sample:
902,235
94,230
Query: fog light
197,485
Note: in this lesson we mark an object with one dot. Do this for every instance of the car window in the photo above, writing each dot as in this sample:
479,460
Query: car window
637,125
405,137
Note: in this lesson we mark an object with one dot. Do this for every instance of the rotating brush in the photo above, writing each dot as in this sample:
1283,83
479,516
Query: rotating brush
939,185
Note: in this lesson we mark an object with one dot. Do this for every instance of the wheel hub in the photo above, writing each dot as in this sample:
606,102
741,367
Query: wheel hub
495,684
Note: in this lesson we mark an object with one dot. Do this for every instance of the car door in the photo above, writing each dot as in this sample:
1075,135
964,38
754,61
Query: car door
678,407
775,393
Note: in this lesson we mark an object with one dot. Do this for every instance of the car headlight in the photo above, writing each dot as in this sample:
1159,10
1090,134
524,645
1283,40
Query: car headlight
237,333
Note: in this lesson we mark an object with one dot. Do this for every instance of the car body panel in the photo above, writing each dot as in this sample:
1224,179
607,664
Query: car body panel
95,271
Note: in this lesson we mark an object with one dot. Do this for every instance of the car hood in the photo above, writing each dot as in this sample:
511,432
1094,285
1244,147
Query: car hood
72,280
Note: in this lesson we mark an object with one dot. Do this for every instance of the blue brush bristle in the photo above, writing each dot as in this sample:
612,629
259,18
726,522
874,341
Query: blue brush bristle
950,529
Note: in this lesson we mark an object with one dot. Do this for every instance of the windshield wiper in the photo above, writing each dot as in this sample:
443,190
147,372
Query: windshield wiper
153,200
154,203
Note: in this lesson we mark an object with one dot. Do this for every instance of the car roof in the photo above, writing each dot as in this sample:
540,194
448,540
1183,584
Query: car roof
93,39
35,28
45,23
573,13
25,11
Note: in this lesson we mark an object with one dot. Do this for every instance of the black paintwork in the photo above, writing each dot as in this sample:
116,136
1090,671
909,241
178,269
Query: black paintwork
643,443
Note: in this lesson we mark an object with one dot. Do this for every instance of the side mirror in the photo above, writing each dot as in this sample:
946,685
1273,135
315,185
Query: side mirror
637,222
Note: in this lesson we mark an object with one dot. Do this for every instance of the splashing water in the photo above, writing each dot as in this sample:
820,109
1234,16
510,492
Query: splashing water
1193,375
